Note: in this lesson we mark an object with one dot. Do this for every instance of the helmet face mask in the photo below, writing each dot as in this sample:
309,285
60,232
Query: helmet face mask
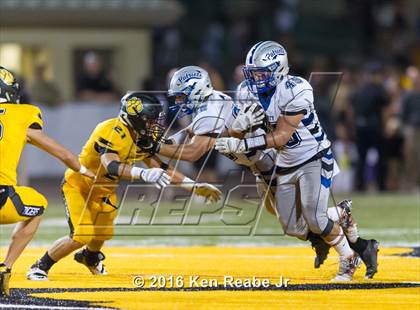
266,65
9,87
152,131
181,102
143,113
260,79
189,86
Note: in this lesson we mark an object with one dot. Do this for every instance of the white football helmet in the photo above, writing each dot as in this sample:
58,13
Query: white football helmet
189,86
265,66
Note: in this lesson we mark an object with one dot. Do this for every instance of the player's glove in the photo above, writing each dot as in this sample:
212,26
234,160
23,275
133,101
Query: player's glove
230,145
152,175
210,192
148,145
206,190
248,117
234,145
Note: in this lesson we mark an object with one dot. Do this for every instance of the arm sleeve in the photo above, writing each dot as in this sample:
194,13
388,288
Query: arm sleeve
108,141
300,104
35,119
179,137
208,125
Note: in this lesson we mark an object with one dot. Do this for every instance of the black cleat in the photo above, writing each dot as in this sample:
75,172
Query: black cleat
5,274
37,272
321,249
370,258
92,260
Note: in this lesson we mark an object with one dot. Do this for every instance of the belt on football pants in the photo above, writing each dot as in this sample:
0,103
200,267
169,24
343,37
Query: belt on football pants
287,170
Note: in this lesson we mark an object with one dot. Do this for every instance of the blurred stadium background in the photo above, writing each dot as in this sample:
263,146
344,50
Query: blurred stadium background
76,58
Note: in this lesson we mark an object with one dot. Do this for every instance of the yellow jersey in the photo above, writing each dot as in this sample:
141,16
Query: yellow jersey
110,136
15,119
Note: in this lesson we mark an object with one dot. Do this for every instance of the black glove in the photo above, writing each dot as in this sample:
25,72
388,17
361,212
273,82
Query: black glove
148,145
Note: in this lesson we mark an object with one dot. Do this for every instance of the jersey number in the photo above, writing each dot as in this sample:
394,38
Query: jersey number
293,141
292,82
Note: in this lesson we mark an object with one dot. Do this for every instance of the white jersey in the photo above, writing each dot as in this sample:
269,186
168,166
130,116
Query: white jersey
293,96
210,117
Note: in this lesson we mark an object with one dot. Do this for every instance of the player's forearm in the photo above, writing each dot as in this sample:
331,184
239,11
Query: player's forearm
69,159
52,147
187,152
124,171
171,150
285,128
235,134
176,176
111,162
276,139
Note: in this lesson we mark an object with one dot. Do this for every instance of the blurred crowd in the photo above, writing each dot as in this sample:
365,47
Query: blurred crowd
363,65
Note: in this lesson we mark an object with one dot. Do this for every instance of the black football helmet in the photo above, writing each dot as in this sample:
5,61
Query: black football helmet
9,87
144,114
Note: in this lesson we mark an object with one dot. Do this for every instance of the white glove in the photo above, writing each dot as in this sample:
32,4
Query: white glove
246,120
230,145
152,175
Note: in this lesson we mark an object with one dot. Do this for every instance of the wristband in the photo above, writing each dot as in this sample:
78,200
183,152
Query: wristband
82,169
256,143
136,172
187,183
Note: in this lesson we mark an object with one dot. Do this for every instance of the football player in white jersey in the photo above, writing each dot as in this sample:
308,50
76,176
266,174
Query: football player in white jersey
262,164
304,162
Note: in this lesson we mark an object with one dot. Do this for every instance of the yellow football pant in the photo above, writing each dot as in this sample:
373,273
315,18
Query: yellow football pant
90,215
20,203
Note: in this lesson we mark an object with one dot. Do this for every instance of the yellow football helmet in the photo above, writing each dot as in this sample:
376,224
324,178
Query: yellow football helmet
9,87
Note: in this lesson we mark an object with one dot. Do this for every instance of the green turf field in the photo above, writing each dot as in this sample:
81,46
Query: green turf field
393,219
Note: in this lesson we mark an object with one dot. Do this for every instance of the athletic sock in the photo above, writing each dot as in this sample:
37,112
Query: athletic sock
46,262
352,231
341,245
359,246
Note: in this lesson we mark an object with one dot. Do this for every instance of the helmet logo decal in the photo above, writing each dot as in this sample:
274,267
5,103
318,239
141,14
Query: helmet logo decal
134,106
189,76
6,77
272,55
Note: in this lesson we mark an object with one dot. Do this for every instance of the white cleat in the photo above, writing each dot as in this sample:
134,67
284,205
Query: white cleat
98,270
36,274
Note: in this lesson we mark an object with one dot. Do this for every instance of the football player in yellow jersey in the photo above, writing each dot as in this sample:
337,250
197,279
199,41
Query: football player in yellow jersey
21,123
111,150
